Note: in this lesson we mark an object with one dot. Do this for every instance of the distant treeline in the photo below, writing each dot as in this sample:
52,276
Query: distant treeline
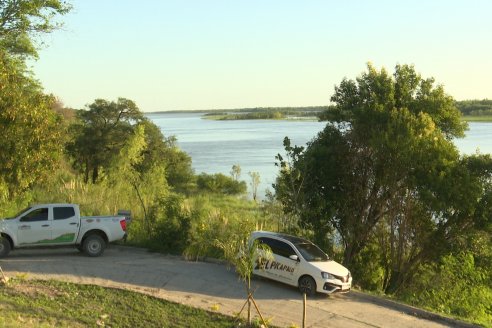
467,107
262,113
475,107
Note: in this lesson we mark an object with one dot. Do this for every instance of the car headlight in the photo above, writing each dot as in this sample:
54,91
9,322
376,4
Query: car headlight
326,275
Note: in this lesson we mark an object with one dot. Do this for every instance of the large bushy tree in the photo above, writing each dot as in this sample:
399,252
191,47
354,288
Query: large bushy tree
104,129
385,156
30,143
29,146
101,133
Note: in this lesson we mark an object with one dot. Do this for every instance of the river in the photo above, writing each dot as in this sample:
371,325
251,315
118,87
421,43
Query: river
215,146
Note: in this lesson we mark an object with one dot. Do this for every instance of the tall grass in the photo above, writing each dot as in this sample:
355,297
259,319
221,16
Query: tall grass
171,223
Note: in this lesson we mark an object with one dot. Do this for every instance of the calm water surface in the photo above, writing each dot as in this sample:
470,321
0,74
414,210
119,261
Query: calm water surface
215,146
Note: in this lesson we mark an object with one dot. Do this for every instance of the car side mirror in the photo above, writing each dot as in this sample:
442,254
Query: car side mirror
294,258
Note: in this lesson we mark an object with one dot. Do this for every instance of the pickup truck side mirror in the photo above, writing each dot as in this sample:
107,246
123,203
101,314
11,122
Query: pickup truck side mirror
294,258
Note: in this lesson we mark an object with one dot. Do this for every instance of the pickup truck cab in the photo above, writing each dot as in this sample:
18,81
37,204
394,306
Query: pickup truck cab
60,225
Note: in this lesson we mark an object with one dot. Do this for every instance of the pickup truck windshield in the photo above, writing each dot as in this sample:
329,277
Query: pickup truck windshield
311,252
24,210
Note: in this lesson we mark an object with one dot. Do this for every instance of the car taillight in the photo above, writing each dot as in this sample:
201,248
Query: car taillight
123,224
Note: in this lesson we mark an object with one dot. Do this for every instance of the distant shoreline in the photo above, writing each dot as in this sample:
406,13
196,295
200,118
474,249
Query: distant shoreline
286,113
473,118
247,110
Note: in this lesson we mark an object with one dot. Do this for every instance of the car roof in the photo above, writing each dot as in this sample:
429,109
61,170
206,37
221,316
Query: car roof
293,239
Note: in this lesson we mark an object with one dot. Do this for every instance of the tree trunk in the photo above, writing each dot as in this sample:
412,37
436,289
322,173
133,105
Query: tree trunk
248,287
95,174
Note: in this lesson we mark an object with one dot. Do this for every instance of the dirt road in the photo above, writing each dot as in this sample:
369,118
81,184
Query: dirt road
209,286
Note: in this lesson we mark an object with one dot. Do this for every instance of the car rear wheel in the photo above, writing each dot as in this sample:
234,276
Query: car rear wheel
94,245
307,285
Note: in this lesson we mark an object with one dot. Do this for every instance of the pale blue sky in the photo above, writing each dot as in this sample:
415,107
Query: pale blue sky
210,54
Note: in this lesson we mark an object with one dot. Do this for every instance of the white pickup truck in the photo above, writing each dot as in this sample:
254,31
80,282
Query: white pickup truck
60,225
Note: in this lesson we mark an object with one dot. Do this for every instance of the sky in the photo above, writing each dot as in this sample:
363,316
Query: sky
224,54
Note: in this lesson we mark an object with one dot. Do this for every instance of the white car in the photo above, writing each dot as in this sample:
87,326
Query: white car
298,262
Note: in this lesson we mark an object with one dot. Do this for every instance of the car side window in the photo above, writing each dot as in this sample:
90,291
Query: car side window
40,214
278,247
62,213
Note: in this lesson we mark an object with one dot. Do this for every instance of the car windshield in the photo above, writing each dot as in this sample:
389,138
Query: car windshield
311,252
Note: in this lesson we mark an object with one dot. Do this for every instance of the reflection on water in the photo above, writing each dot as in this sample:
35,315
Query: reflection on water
215,146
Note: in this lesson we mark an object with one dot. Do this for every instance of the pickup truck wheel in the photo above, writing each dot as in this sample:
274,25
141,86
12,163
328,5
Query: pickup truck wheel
4,247
93,245
307,285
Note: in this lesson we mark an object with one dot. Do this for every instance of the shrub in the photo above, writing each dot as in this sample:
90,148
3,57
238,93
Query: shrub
220,184
455,286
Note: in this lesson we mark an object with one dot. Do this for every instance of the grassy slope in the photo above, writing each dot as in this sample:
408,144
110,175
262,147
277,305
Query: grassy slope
57,304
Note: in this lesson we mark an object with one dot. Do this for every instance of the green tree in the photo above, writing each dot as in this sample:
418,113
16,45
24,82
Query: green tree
162,150
387,137
255,183
22,21
29,147
236,172
101,133
106,127
243,256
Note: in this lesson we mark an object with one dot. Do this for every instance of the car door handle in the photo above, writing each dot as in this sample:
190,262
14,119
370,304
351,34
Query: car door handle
25,226
45,225
74,223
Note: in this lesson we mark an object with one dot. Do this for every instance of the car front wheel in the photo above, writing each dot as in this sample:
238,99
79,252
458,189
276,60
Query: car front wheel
307,285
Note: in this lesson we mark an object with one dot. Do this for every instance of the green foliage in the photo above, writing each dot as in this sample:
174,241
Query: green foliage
455,286
30,145
291,180
100,134
367,268
221,218
386,177
236,172
170,221
255,182
22,21
163,151
243,255
220,183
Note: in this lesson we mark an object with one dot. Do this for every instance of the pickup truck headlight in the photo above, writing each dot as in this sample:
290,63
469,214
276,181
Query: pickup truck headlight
326,275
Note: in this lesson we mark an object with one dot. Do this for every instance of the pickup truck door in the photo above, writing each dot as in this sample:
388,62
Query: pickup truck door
65,225
34,227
